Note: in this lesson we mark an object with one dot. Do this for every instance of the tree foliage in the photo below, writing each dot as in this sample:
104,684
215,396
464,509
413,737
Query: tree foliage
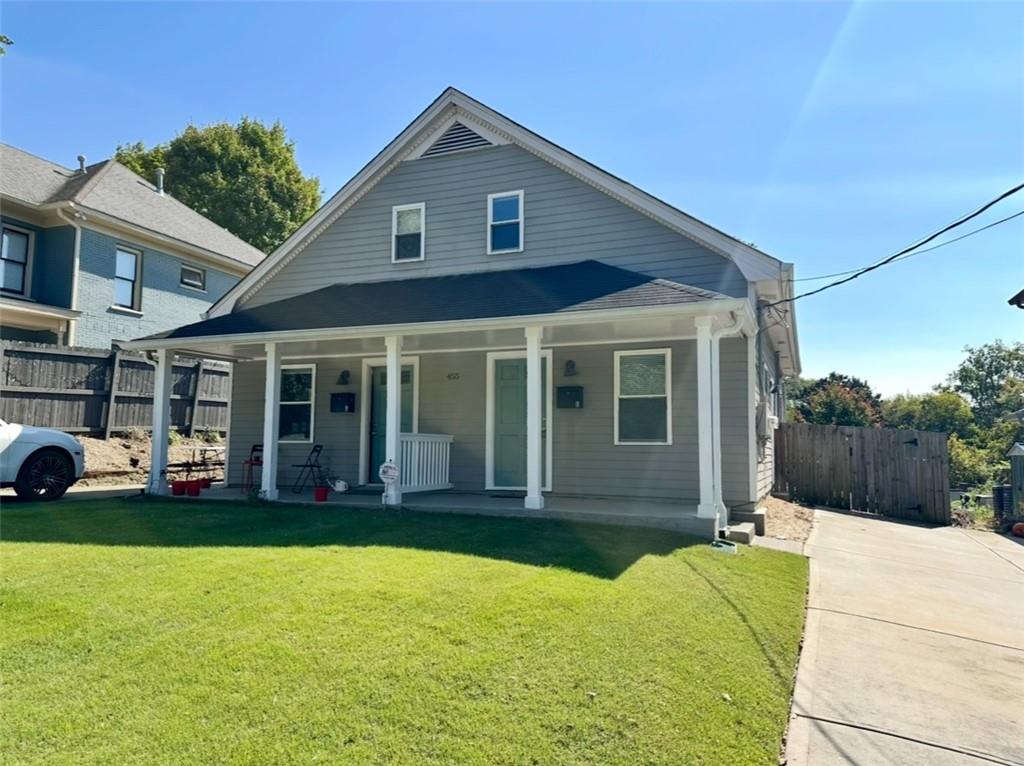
4,42
243,177
837,399
944,411
984,375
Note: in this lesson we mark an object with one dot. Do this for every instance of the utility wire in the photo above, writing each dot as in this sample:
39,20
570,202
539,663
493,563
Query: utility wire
889,259
916,252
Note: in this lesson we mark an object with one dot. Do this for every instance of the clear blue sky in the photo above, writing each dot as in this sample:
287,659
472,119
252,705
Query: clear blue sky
827,134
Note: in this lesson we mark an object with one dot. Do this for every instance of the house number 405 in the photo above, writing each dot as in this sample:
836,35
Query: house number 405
453,376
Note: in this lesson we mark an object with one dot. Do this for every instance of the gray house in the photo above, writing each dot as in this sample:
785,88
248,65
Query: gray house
98,254
481,313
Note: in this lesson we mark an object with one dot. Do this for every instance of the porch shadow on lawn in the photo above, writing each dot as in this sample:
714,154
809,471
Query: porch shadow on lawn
594,549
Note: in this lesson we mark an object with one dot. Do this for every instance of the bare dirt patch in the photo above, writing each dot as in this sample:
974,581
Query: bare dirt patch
787,521
125,458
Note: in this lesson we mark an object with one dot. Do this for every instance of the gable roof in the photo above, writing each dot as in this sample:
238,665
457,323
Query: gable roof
583,286
111,189
452,107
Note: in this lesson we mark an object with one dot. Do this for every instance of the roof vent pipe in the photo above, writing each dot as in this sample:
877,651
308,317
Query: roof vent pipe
81,163
160,180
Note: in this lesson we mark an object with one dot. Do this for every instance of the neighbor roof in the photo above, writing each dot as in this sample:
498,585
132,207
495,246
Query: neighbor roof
583,286
110,188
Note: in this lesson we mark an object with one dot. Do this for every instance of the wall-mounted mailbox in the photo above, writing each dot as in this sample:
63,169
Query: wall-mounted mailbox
569,397
343,402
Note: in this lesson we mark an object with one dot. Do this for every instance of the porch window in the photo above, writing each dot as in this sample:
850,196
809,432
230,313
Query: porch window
643,405
126,278
298,392
407,232
505,222
16,245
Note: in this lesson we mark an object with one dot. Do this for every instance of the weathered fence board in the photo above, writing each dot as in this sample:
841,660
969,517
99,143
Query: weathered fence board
889,471
103,391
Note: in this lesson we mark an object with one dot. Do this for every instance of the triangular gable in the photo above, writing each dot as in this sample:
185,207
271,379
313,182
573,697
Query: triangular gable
456,138
454,107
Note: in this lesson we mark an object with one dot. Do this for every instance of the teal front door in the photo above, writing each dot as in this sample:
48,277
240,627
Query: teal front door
509,429
379,417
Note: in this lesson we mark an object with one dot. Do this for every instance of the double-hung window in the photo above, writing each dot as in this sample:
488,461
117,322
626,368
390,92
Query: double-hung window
408,230
193,277
298,392
505,222
126,278
643,396
16,246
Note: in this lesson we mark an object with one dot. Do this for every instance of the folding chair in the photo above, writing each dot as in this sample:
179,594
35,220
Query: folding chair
255,460
309,470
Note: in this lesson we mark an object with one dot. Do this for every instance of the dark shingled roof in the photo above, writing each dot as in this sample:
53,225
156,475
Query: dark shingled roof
583,286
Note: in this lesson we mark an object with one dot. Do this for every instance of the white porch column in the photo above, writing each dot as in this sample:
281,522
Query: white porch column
157,484
271,422
716,427
534,420
393,430
705,416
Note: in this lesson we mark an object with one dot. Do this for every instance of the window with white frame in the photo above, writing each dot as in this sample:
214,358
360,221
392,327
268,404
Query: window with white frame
193,277
16,246
505,222
643,396
298,392
408,240
126,278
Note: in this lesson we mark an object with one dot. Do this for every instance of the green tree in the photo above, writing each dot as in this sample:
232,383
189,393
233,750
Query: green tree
4,42
983,375
944,411
243,177
837,400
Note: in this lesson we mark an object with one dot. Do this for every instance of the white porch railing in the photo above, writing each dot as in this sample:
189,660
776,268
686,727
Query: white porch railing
425,459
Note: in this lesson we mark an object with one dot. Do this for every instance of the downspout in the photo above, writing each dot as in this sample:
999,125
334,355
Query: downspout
716,423
72,323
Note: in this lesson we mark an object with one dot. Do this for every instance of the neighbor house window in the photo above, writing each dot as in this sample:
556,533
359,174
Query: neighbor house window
126,278
16,246
643,404
505,222
298,388
193,277
407,232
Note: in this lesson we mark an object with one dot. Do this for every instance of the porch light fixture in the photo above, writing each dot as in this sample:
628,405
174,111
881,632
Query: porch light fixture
570,368
343,378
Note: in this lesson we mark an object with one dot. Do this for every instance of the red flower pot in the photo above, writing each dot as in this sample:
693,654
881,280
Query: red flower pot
178,487
194,485
320,494
206,482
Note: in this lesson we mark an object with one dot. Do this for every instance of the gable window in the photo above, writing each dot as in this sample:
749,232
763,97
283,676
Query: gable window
298,388
17,244
505,222
407,232
643,403
193,277
126,278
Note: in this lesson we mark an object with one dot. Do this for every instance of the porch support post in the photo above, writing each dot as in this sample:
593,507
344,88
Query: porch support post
534,420
393,431
271,422
706,385
716,428
157,484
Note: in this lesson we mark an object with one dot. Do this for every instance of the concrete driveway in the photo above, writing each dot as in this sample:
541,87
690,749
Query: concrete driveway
914,649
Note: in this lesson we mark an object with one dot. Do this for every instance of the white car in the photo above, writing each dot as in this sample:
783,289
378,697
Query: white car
40,463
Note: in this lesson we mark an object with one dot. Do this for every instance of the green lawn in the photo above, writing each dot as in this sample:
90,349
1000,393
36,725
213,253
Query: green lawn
171,632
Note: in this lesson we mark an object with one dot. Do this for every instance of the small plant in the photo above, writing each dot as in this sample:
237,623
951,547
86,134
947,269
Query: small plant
210,437
174,438
136,434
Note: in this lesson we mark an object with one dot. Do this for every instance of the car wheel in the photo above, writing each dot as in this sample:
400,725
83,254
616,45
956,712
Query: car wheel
46,475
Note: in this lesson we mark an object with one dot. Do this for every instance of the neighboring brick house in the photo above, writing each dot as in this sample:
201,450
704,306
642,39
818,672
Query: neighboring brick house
98,255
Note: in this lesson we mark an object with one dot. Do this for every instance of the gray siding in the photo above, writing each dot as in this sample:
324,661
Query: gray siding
453,401
566,221
766,446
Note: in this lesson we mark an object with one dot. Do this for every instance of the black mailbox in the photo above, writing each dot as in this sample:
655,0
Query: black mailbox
343,402
569,397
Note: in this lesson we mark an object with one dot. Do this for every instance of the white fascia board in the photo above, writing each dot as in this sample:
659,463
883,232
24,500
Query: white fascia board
721,307
452,105
15,306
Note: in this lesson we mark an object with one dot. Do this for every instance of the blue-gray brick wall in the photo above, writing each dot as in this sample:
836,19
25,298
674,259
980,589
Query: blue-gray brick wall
165,304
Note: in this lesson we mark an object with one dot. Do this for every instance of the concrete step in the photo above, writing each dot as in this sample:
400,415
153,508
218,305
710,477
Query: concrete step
757,516
742,533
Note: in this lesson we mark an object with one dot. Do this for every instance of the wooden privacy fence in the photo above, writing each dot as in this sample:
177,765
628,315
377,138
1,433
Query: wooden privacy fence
890,471
102,391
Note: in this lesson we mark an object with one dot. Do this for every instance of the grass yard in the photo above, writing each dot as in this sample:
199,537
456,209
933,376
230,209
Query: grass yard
166,632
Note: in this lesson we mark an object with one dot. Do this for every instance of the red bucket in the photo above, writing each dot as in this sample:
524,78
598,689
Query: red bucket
194,485
206,482
320,494
178,487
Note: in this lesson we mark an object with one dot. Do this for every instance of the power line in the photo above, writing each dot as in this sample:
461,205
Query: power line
916,252
889,259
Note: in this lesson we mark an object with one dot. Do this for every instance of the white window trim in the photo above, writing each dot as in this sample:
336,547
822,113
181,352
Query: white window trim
422,207
521,220
181,282
29,257
137,286
312,403
667,352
